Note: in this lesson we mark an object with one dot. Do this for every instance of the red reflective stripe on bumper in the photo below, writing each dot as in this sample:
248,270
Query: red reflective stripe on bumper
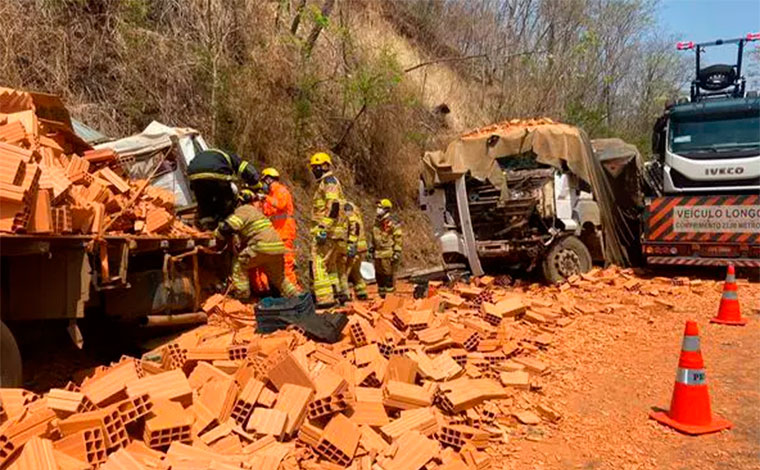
689,261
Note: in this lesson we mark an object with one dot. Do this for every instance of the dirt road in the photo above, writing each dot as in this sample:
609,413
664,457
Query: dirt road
610,369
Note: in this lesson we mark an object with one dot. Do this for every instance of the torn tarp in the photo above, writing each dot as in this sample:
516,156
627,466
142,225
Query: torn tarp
475,153
622,169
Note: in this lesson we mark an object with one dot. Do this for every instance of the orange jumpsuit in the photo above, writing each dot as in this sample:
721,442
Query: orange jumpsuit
278,206
256,276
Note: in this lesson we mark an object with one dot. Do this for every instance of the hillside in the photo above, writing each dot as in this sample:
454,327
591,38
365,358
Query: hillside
374,82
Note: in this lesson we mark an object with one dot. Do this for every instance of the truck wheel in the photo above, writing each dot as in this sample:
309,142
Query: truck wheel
10,359
567,257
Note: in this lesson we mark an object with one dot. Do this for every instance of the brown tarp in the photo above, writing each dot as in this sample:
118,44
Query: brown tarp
476,152
623,166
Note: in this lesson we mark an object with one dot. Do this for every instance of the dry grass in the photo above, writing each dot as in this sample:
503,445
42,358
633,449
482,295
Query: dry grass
233,70
241,80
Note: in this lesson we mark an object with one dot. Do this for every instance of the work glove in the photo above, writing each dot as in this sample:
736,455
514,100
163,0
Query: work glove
321,235
351,250
396,257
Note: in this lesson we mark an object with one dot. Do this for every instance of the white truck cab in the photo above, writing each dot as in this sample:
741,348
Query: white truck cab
495,203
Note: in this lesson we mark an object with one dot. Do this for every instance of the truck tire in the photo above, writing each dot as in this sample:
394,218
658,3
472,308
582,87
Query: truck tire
566,257
10,359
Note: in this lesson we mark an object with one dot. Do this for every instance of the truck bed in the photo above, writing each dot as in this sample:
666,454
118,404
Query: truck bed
11,243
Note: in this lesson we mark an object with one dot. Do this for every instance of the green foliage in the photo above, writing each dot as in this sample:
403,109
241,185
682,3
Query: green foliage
317,17
588,118
372,82
240,73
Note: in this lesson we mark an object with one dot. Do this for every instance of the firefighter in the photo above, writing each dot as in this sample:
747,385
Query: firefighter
356,250
326,230
256,276
277,204
260,247
212,173
386,247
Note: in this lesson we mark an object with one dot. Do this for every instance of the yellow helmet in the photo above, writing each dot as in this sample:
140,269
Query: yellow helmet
320,158
270,172
385,203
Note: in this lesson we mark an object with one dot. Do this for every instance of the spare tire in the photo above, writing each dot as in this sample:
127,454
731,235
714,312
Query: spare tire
717,77
568,256
10,359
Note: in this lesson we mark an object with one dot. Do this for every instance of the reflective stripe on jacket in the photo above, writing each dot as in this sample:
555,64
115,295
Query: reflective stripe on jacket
356,230
278,206
386,237
326,210
220,165
255,230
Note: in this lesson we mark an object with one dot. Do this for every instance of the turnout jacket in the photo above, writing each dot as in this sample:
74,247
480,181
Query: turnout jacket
254,229
216,164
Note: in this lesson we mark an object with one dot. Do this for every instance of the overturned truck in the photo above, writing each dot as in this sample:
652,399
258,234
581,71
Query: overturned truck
525,195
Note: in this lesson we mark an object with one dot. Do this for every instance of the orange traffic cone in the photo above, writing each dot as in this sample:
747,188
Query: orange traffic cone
690,406
729,312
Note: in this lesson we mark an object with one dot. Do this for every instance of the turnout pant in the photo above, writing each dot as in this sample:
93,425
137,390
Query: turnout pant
259,279
341,271
215,197
354,275
323,270
385,272
272,265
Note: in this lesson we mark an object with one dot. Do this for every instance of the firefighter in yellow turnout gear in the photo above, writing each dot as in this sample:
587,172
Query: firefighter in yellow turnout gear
386,247
356,249
327,231
260,247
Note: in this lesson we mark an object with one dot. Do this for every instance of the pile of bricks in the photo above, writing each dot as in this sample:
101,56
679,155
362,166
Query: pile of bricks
434,383
52,182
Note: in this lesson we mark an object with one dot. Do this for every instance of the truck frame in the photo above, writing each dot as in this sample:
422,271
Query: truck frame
130,278
68,277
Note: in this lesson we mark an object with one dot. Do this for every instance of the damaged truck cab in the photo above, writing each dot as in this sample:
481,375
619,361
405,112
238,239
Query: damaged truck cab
515,195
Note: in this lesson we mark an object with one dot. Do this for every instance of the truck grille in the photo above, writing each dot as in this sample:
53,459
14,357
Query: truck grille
681,181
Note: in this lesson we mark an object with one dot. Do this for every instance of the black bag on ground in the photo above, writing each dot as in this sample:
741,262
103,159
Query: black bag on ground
276,313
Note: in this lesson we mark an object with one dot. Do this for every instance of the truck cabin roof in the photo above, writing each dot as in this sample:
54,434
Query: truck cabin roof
716,108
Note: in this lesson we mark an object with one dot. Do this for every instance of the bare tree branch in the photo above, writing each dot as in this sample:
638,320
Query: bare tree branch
314,35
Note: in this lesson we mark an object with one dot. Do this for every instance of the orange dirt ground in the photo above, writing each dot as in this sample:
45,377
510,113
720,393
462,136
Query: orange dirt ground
610,369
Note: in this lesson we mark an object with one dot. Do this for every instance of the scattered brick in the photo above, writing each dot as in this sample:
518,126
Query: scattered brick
168,424
339,440
527,417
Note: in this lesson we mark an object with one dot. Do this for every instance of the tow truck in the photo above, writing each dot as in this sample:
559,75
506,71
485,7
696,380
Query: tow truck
704,193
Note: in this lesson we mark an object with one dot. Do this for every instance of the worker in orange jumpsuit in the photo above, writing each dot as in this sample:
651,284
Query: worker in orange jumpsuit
277,204
257,278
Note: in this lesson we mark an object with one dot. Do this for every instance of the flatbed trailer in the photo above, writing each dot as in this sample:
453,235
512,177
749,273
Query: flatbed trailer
68,277
703,230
